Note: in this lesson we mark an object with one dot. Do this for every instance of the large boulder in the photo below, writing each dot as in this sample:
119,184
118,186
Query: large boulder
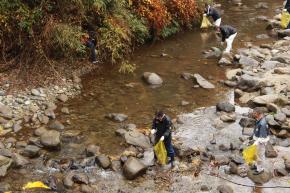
138,139
133,168
118,117
273,98
225,107
5,164
152,78
203,82
50,139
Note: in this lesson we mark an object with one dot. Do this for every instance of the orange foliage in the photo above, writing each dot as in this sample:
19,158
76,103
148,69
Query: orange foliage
154,11
183,10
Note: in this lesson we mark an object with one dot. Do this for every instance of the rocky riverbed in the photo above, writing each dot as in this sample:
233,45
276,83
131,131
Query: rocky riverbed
208,141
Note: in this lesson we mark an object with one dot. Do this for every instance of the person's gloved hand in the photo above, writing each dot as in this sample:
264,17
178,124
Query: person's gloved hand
162,138
153,131
284,9
204,14
256,142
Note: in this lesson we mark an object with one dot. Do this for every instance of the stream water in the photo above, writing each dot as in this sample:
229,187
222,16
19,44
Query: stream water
107,91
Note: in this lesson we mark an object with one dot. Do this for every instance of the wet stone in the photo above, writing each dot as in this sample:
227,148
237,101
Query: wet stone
50,139
133,168
19,161
117,117
247,122
103,161
80,178
31,151
225,107
5,164
152,78
40,131
56,125
92,150
62,97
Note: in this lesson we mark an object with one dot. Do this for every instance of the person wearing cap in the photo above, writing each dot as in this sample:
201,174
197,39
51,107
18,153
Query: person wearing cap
161,128
228,34
261,138
210,11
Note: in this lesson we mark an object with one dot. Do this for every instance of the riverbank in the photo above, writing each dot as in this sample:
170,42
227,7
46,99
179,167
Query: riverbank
82,169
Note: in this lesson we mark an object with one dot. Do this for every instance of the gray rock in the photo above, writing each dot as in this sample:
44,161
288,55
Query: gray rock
269,65
31,151
283,33
5,111
214,53
5,164
133,168
16,127
221,160
51,106
266,99
261,178
116,165
56,125
224,61
50,139
247,122
65,110
225,189
138,139
280,117
237,159
152,78
273,107
35,92
148,157
249,83
203,82
247,61
39,131
271,121
117,117
49,113
62,97
267,90
80,178
187,76
103,161
270,151
19,161
282,71
225,107
92,150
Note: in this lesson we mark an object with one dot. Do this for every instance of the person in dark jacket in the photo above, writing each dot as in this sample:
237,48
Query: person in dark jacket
228,34
261,137
210,11
90,42
161,127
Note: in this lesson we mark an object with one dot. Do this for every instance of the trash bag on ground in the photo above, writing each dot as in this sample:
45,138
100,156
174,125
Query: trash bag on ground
285,19
205,22
37,184
160,152
249,154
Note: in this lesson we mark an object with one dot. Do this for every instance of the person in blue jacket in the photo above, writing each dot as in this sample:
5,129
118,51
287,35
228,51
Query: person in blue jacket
161,127
261,137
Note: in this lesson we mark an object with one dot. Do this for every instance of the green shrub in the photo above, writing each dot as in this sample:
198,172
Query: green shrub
127,68
170,29
66,40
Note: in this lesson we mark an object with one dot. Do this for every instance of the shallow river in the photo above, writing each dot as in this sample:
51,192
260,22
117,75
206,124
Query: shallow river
107,91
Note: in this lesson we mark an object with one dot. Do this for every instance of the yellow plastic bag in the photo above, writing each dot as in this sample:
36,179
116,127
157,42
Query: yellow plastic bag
285,19
160,152
37,184
205,22
249,154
